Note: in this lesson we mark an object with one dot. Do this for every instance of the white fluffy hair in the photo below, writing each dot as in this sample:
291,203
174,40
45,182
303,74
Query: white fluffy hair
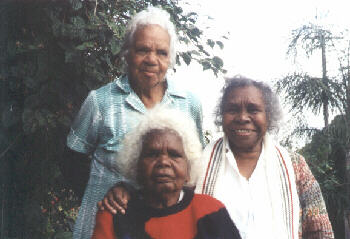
152,16
161,118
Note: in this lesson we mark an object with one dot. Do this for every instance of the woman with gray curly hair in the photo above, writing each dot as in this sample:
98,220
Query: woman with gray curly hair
268,191
274,194
163,158
108,113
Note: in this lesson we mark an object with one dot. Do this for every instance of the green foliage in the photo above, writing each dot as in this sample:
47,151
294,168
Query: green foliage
304,91
52,54
326,156
310,37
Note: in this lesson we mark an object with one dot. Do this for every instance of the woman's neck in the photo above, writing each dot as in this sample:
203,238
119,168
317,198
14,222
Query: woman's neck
247,160
151,96
163,200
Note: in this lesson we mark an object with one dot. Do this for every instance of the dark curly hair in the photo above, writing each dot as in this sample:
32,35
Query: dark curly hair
272,105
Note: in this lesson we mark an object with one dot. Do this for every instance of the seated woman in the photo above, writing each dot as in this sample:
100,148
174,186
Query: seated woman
162,157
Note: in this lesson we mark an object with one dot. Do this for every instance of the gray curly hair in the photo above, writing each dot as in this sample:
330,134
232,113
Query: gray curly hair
151,16
272,105
160,118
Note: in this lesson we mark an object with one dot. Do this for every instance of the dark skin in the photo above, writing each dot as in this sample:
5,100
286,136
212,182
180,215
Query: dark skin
245,124
162,170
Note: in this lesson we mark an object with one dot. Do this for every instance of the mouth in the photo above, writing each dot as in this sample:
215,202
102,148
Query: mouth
149,71
162,178
242,132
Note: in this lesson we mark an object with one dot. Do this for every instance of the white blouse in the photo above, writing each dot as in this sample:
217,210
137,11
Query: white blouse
253,216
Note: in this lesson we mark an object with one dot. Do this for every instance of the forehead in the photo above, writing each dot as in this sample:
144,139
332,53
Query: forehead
162,136
151,32
249,94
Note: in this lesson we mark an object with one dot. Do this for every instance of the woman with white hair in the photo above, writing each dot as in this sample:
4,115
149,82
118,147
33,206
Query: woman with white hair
162,157
111,111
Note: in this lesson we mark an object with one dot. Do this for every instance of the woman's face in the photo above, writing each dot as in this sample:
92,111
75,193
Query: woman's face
244,119
162,167
148,56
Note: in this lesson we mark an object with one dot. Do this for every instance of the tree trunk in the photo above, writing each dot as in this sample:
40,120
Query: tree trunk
347,211
325,83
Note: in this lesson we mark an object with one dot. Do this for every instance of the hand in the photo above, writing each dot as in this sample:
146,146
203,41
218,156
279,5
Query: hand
116,200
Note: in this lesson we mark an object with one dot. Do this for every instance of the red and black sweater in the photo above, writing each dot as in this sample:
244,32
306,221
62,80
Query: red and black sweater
196,216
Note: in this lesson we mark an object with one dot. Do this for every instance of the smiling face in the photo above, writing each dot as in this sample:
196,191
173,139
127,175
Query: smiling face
244,119
148,57
162,168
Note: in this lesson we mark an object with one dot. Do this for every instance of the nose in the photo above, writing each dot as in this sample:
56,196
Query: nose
151,58
243,117
163,160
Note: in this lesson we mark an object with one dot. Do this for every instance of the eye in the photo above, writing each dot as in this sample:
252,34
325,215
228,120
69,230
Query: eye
162,52
175,154
142,50
231,109
150,153
253,109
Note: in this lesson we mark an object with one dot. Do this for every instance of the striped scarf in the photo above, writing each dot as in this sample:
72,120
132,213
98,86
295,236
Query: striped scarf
279,173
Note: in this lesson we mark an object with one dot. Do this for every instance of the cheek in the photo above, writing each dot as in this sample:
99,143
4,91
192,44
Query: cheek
143,173
226,120
184,172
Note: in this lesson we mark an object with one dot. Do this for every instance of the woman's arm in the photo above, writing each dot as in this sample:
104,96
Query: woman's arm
314,218
117,198
104,228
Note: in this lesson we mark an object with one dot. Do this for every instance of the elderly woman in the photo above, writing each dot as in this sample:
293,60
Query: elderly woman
111,111
163,157
274,192
268,191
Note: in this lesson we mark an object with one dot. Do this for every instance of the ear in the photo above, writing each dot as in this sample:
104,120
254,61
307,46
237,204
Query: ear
188,177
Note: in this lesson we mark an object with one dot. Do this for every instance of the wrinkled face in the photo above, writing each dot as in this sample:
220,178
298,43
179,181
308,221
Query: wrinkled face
162,167
148,56
244,119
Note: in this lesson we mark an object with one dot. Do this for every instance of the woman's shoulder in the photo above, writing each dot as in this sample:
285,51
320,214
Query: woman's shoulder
208,202
213,144
207,199
295,157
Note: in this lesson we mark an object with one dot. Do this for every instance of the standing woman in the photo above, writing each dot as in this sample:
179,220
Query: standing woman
111,111
268,191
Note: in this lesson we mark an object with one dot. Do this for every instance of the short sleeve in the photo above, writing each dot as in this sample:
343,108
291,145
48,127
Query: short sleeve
83,135
197,116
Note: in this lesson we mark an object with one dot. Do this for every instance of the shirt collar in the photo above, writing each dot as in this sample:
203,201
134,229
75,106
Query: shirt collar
123,84
232,161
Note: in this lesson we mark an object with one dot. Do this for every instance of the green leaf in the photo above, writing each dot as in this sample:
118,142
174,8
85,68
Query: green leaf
115,46
40,118
78,22
30,82
186,56
10,115
85,46
206,65
63,235
217,62
211,43
220,44
76,4
65,120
